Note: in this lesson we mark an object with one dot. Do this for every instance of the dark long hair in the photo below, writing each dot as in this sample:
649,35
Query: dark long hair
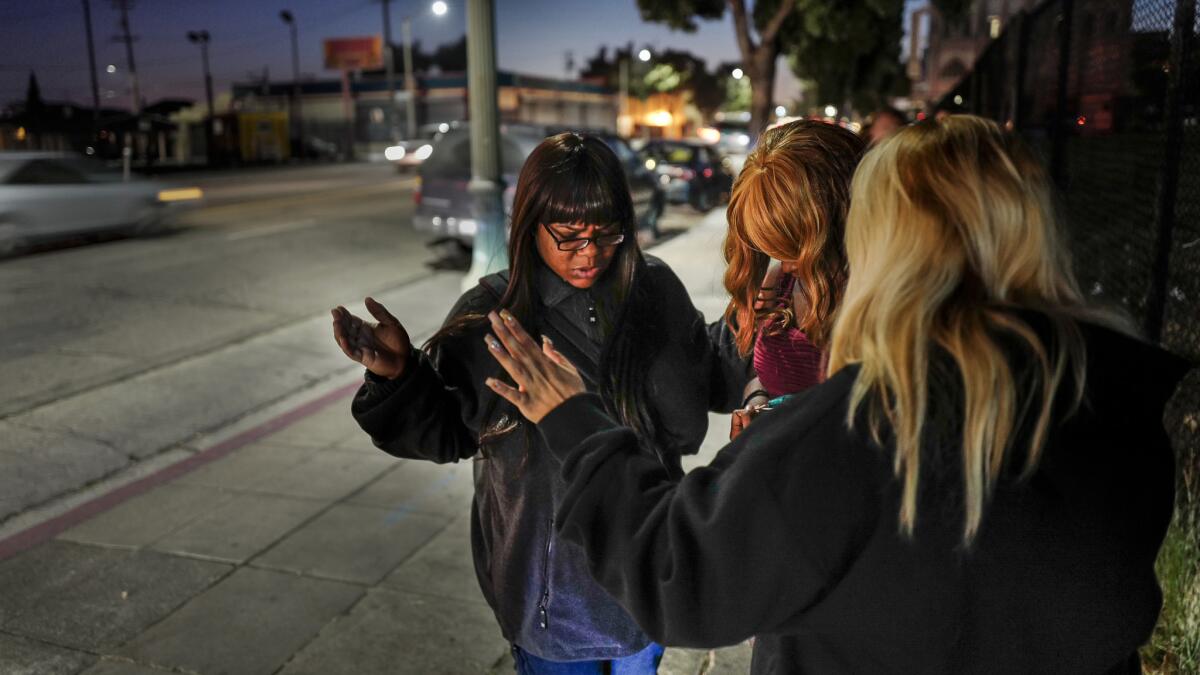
574,178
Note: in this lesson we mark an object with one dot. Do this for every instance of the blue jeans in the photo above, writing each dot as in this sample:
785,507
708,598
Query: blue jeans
644,662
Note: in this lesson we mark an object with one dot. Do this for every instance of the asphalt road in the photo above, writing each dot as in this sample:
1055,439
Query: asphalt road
268,248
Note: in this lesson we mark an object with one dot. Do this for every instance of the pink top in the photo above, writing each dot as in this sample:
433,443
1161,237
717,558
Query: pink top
786,362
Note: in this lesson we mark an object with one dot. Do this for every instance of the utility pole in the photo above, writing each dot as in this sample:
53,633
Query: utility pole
297,125
87,22
389,66
410,83
201,37
129,39
486,186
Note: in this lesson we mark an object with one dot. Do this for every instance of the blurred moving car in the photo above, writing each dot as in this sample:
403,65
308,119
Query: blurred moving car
45,196
409,154
690,172
443,204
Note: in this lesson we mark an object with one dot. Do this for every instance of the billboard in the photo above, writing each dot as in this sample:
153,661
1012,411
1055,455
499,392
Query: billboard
354,53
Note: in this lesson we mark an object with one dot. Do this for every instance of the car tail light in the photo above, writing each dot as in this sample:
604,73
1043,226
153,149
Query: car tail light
708,172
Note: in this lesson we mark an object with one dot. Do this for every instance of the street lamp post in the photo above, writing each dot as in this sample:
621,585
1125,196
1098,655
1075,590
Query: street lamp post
297,125
389,66
485,187
201,37
623,83
410,83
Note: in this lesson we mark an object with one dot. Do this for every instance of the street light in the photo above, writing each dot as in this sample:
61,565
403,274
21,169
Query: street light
201,37
830,111
297,125
737,73
110,69
780,111
406,29
623,75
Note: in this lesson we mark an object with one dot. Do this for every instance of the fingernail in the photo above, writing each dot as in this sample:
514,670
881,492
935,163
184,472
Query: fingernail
491,382
506,316
547,340
492,342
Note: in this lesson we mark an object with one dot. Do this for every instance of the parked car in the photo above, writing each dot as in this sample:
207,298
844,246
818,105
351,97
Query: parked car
411,153
45,196
690,172
443,204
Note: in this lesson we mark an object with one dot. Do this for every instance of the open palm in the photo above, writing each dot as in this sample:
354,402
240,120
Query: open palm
382,347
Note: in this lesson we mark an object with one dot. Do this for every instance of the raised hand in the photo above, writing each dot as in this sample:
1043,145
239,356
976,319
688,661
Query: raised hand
382,347
544,377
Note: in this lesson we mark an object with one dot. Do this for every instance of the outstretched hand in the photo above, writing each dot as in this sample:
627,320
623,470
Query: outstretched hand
544,377
382,347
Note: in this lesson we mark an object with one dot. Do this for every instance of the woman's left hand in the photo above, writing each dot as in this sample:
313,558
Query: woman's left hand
544,377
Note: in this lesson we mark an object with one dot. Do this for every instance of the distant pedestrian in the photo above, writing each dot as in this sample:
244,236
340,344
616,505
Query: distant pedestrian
883,124
981,486
578,277
789,204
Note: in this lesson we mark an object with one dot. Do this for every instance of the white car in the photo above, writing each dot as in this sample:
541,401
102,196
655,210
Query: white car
45,196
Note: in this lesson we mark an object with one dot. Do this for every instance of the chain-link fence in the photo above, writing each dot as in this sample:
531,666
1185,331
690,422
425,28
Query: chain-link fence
1108,91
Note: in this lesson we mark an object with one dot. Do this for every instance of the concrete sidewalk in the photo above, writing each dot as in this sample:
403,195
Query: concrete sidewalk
285,543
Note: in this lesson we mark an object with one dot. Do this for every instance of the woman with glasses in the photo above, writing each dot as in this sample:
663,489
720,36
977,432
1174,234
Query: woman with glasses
578,278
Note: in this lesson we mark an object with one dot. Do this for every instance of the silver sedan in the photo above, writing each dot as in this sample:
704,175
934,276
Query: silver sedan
46,196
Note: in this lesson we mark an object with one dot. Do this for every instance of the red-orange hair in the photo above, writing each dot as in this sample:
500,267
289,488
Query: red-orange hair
789,203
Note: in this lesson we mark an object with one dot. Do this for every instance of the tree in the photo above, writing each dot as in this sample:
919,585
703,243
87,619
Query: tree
855,59
759,52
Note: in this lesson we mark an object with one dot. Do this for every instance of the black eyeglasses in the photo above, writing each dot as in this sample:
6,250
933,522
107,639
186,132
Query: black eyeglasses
603,241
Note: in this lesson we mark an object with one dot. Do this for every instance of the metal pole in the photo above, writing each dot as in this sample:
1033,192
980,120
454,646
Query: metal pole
297,114
623,126
389,66
208,95
1058,139
87,22
410,84
128,40
1156,302
486,183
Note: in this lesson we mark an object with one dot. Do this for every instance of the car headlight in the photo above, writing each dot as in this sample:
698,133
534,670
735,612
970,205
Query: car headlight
180,194
423,152
394,153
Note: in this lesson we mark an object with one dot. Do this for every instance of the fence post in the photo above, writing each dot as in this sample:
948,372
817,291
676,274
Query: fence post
1058,139
1020,31
1156,303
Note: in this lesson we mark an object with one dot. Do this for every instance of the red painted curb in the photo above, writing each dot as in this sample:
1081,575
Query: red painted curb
28,538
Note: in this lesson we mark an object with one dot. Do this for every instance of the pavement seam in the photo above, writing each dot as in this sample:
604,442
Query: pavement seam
165,361
54,526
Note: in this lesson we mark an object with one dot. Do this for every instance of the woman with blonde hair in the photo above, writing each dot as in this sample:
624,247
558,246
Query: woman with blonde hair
980,486
789,204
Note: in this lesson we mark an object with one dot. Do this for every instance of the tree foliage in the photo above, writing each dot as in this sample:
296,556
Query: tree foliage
849,50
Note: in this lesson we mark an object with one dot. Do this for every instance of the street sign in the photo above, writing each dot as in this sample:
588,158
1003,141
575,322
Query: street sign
354,53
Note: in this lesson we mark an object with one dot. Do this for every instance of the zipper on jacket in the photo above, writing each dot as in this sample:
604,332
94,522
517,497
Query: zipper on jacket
543,615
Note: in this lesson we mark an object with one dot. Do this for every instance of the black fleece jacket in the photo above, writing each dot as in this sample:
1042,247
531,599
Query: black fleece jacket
538,586
791,535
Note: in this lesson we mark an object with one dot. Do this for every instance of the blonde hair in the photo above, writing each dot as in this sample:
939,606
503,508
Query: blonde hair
951,227
789,202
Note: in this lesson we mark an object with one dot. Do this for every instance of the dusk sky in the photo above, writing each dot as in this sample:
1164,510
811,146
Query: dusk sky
533,36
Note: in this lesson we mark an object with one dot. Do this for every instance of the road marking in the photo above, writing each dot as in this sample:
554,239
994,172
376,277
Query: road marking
269,229
46,530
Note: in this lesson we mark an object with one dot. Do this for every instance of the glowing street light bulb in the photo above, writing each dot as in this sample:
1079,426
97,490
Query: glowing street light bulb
110,69
737,73
780,111
830,111
644,55
439,8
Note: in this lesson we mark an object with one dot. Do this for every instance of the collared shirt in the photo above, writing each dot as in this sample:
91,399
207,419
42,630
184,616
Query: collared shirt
589,309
